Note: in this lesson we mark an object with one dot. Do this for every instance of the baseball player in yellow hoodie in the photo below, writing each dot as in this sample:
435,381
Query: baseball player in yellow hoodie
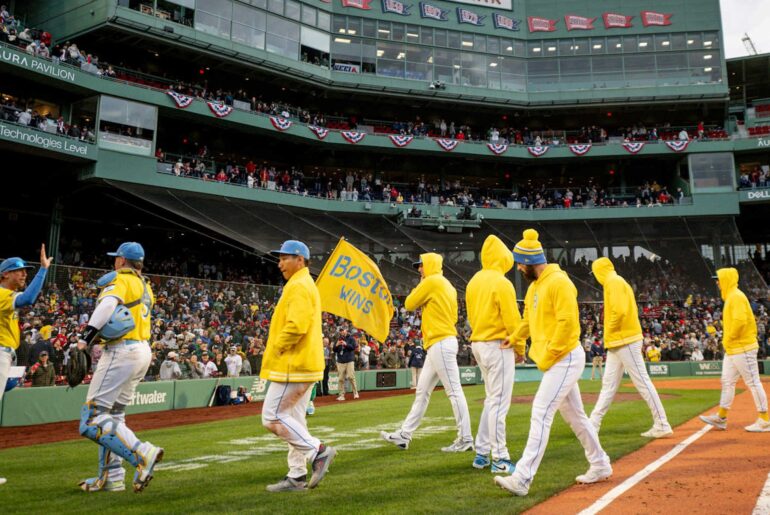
623,341
438,300
740,342
293,362
493,314
552,322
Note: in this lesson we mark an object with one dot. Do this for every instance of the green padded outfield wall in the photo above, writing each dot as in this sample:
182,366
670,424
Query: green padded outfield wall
32,406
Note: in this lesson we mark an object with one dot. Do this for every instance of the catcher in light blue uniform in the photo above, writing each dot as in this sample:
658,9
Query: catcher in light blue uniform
122,320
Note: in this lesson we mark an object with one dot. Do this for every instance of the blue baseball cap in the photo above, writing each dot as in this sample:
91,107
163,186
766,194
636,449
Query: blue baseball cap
294,248
11,264
129,250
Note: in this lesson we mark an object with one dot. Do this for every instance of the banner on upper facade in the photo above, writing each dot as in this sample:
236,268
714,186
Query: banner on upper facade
492,4
574,22
504,22
358,4
652,18
541,24
433,12
344,67
616,21
470,17
396,7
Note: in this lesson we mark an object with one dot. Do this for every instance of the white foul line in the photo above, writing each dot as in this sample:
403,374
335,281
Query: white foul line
763,503
632,481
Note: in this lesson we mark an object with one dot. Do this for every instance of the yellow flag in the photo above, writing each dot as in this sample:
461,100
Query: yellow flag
352,287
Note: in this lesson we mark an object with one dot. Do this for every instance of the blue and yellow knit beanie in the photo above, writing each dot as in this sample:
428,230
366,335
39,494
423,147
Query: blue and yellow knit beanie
529,251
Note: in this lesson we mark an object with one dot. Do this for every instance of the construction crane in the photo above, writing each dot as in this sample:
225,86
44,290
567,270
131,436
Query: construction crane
749,44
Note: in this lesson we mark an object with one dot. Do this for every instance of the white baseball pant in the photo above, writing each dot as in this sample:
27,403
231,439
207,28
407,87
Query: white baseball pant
498,369
628,358
440,364
559,390
742,365
285,403
120,369
7,356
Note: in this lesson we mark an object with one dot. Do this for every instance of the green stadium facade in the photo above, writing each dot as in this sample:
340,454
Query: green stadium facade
552,66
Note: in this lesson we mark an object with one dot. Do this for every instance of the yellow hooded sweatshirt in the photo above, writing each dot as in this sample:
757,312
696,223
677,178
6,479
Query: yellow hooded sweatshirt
739,324
294,351
438,300
550,318
491,298
621,316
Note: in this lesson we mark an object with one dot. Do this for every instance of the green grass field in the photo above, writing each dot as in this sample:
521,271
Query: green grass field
224,466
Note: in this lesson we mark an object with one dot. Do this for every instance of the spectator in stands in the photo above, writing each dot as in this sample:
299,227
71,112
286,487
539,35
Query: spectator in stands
42,373
196,368
364,356
169,369
234,363
209,368
683,136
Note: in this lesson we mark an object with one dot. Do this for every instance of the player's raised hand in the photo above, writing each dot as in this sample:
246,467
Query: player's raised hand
45,261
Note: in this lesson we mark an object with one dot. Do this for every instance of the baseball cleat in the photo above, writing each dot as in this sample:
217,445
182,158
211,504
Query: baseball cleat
760,426
288,484
459,446
503,467
658,432
396,439
594,475
143,474
356,396
481,461
94,484
321,464
715,420
512,484
341,398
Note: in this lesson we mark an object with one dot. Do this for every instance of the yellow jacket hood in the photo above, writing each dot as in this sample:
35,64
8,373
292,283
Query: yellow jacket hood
621,314
495,255
432,263
490,297
438,300
739,327
602,268
728,281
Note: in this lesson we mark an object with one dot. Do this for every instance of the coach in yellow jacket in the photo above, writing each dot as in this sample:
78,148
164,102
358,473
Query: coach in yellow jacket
623,341
740,342
438,300
493,314
552,323
293,361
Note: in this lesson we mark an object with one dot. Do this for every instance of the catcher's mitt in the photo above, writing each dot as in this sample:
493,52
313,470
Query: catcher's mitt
77,366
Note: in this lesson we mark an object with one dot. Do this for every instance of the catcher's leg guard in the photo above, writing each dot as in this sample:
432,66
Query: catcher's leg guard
107,478
97,424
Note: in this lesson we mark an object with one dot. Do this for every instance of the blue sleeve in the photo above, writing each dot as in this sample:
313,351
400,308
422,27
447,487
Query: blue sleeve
29,296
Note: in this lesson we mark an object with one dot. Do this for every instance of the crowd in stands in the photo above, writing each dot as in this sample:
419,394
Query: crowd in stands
363,186
757,177
38,42
20,112
214,328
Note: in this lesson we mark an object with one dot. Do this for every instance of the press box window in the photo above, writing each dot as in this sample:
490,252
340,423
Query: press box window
127,126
